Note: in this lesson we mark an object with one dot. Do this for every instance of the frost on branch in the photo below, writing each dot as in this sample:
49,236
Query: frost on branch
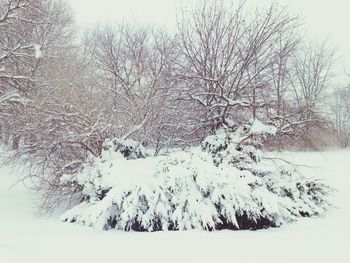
222,185
37,51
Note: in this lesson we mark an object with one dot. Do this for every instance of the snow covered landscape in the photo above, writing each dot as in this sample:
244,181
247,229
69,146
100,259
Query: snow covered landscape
174,131
27,237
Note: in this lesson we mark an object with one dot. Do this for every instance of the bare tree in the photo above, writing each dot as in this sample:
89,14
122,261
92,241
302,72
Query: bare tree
136,67
30,31
287,46
340,107
311,75
227,52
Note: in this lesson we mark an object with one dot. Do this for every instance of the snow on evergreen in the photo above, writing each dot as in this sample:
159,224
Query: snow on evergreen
257,127
221,185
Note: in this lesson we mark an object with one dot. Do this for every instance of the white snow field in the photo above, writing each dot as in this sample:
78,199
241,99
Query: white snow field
26,237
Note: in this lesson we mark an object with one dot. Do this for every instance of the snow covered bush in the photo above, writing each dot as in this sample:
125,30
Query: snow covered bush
222,185
128,148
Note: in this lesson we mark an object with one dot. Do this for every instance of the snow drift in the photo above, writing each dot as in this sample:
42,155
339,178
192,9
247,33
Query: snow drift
224,184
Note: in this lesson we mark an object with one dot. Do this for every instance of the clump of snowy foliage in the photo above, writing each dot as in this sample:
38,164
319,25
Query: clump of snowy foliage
128,148
224,184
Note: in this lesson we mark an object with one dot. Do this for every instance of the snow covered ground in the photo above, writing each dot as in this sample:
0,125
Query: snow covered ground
26,237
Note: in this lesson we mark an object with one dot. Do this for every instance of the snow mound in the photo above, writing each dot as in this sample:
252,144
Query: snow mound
221,185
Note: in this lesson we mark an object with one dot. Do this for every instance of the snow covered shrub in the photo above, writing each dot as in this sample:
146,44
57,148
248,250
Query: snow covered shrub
182,191
112,149
309,196
128,148
222,185
240,147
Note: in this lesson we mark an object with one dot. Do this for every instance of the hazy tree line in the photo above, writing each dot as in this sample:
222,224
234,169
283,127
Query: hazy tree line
62,93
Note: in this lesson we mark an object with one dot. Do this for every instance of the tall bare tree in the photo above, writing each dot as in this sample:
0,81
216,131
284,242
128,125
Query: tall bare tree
311,76
227,52
136,68
31,31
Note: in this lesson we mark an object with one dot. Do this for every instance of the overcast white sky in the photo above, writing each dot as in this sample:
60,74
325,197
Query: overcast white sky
324,19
